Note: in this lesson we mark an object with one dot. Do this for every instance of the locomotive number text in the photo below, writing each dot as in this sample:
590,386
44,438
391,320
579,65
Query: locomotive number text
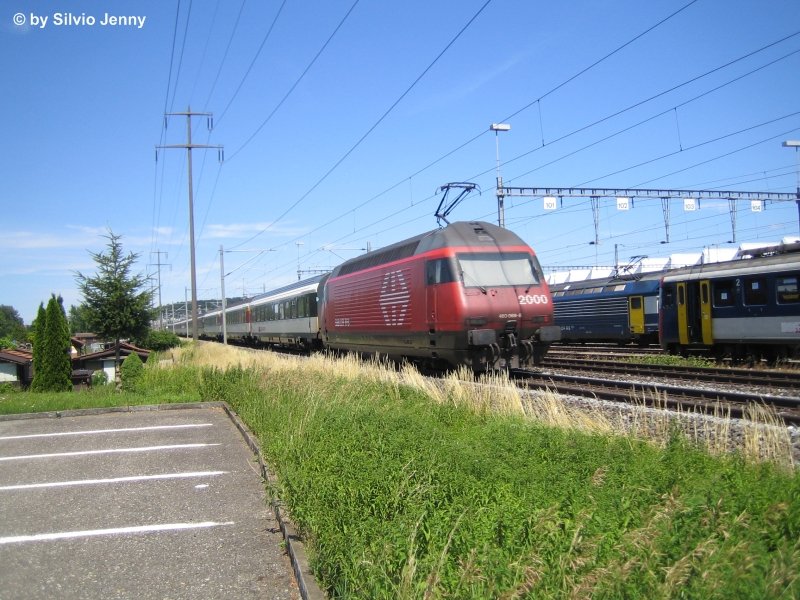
535,299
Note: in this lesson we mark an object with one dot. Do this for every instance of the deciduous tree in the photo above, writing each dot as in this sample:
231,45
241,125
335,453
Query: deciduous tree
78,319
11,324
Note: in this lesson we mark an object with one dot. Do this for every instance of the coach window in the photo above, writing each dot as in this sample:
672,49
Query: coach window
636,302
755,291
439,271
312,306
668,293
723,292
787,290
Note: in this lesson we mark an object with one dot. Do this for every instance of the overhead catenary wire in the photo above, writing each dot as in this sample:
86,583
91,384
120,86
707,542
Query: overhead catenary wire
405,179
594,64
597,122
374,126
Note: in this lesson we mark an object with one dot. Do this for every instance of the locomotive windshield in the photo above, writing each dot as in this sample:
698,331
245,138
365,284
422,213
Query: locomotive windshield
493,269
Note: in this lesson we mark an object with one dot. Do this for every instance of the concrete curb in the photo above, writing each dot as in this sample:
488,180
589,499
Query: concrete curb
309,589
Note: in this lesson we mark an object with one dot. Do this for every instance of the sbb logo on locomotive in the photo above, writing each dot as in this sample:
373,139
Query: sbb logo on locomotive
394,298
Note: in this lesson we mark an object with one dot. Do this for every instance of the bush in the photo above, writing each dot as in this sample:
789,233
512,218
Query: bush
99,378
7,342
159,340
131,371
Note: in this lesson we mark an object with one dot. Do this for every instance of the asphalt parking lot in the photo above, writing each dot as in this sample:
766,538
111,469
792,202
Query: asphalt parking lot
154,504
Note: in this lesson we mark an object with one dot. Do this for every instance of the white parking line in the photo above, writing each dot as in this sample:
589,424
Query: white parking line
108,451
96,431
47,537
31,486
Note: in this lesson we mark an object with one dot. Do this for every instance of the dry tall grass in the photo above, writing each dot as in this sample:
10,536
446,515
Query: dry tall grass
759,437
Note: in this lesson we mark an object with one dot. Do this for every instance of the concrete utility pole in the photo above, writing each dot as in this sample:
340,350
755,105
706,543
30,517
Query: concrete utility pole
224,301
188,146
159,264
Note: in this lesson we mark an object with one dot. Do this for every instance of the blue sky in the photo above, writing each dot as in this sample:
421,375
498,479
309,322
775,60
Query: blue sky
341,119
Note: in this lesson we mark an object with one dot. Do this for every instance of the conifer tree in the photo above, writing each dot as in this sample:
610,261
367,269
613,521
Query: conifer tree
117,305
53,373
37,335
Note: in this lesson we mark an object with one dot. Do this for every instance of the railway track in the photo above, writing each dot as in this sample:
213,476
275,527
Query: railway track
595,349
724,396
769,379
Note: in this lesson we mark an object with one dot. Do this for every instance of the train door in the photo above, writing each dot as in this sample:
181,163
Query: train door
636,314
705,313
694,313
683,328
437,272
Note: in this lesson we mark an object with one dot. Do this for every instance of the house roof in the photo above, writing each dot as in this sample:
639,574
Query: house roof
124,350
18,357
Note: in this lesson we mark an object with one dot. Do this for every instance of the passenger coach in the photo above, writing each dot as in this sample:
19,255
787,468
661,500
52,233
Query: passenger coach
619,310
746,308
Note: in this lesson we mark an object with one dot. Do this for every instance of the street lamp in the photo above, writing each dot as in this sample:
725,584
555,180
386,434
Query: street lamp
796,145
497,127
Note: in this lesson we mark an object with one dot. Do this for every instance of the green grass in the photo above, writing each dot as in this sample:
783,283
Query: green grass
674,360
399,495
158,386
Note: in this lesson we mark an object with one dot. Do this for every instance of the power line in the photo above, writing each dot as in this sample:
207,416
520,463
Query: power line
225,55
252,62
482,133
157,201
296,83
476,137
180,60
374,126
205,49
597,62
285,97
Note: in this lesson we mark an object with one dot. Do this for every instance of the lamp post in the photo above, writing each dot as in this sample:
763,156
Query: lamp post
501,214
796,145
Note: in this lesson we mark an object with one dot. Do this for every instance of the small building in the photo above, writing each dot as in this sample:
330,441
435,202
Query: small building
16,367
104,359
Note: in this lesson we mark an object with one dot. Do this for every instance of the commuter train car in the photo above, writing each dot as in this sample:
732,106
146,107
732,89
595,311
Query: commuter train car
743,309
611,309
470,294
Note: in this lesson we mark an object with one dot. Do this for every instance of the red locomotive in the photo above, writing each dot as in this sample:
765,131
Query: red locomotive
469,294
